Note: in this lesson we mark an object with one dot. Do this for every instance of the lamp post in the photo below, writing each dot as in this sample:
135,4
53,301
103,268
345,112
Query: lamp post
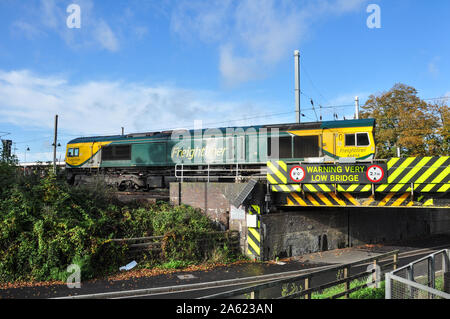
54,158
25,167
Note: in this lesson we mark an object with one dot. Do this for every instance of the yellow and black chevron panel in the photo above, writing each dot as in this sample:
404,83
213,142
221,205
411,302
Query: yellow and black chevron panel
354,188
253,234
277,172
310,188
255,210
321,199
286,188
316,188
397,188
428,174
400,199
423,174
254,242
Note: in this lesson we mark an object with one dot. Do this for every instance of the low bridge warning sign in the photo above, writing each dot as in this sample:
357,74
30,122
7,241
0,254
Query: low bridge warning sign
365,173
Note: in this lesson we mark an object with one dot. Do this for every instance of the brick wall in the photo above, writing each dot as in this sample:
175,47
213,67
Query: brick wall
212,198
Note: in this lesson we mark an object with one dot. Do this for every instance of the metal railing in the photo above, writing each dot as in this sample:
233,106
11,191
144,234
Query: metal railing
210,172
425,278
306,281
206,241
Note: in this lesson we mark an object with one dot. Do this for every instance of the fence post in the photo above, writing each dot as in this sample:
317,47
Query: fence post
431,273
446,270
411,277
374,274
307,286
387,287
395,260
347,283
254,294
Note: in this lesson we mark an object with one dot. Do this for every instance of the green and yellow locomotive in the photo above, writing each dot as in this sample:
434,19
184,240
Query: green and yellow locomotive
147,160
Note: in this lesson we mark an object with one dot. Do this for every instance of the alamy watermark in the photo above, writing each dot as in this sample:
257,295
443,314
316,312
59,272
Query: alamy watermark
219,146
374,279
74,279
374,19
74,19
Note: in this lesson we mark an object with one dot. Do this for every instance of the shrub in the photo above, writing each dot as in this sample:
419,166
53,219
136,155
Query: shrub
46,225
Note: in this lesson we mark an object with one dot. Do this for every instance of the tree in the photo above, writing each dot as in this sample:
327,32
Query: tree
404,120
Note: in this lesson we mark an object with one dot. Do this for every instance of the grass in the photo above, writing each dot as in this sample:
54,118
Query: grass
363,293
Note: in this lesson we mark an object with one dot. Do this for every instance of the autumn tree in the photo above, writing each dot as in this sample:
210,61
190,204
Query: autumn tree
404,120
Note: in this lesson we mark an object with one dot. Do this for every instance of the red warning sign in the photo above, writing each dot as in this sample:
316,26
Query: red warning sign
375,173
297,173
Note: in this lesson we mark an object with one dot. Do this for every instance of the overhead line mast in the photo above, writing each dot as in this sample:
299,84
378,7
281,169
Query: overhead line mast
297,85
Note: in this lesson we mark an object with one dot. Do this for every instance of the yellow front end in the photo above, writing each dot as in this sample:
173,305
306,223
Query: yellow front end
338,142
81,154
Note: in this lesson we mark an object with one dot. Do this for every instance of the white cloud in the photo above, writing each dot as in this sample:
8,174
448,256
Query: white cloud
103,107
253,36
106,37
51,16
28,30
433,68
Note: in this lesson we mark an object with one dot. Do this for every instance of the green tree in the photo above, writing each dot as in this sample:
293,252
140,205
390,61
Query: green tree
404,120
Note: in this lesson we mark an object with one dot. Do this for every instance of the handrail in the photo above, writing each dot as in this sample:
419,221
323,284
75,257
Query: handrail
207,171
308,276
445,251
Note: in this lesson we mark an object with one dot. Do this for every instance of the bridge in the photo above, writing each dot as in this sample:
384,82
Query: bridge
397,182
306,207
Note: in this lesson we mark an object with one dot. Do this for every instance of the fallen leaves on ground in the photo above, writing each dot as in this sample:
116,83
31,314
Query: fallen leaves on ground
135,273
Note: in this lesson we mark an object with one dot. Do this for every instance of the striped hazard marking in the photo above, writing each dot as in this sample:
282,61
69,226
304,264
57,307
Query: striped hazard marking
321,199
418,174
253,234
346,199
277,172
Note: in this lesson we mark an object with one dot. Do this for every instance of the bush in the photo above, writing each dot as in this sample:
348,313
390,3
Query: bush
46,225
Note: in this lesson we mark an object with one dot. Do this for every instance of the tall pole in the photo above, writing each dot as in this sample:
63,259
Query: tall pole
297,85
55,143
356,107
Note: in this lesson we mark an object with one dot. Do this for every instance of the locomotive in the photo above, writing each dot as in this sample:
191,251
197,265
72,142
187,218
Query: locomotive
154,159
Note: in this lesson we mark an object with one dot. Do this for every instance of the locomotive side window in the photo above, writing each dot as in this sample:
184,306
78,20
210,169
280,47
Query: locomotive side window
116,153
362,139
358,139
73,152
350,140
306,146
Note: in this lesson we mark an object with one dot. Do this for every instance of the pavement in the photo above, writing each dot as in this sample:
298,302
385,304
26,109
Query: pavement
235,271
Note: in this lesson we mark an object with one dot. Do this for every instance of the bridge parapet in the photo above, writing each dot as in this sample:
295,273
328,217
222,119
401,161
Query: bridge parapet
410,182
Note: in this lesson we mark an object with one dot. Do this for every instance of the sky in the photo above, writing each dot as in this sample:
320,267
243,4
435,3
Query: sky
155,65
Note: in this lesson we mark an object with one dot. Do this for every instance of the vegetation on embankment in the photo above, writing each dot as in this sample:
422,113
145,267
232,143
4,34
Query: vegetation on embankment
46,225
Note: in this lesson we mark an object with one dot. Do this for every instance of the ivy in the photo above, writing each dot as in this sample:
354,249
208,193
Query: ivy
46,225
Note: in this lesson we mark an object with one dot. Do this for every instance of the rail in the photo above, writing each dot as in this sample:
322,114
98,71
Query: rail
307,290
210,172
425,278
154,243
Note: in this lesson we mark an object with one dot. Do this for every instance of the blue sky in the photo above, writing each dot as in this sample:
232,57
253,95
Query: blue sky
152,65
